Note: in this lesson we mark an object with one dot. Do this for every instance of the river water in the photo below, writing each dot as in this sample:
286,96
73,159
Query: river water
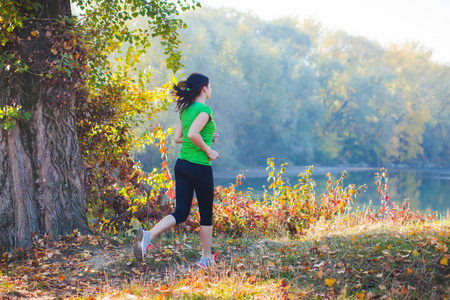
425,188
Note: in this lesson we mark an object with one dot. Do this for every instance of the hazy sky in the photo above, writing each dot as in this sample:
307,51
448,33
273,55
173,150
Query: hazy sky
386,21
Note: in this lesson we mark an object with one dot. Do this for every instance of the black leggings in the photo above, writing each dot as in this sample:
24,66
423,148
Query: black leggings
190,177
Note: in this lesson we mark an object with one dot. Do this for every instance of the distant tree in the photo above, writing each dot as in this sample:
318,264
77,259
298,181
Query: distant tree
352,79
411,94
436,141
305,95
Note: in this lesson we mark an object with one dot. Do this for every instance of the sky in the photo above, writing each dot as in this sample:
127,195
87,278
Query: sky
385,21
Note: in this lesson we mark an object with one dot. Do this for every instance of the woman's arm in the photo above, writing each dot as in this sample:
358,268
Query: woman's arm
179,133
196,138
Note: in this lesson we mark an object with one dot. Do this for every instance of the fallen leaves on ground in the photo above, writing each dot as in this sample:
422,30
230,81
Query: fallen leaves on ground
375,263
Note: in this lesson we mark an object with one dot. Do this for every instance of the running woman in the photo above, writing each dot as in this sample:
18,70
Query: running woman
193,171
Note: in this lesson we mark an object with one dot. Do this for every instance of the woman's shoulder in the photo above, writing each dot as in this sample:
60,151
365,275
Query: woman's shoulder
196,108
200,107
205,107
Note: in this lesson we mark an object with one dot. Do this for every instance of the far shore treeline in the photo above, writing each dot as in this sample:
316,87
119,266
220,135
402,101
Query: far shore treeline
293,90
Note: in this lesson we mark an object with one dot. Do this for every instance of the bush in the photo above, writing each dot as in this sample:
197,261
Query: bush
284,208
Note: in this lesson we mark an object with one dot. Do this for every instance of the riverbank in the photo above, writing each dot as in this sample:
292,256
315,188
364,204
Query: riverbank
293,171
349,258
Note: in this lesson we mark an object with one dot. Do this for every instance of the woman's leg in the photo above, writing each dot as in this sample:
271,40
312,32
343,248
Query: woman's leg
184,195
165,223
204,190
184,190
199,178
206,237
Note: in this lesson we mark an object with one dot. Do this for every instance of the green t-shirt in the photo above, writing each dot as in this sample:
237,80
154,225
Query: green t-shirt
189,151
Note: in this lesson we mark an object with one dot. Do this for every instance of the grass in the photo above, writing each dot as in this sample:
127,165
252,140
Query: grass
349,258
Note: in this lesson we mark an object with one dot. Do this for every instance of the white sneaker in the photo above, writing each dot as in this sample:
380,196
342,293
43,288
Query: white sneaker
205,263
142,242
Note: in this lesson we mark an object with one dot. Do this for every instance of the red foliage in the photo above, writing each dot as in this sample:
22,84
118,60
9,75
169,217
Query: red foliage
391,211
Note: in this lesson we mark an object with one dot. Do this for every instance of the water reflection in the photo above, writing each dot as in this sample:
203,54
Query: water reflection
425,188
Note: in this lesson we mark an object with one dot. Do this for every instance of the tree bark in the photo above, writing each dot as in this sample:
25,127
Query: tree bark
42,187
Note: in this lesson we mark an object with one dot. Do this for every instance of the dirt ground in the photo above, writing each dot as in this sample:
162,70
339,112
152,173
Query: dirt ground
75,267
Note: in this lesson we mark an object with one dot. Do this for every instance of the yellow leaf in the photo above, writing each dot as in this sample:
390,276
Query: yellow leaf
444,261
329,282
360,295
409,271
389,247
168,251
415,253
34,32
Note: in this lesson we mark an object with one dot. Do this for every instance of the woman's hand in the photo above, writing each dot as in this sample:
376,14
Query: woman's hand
215,137
212,154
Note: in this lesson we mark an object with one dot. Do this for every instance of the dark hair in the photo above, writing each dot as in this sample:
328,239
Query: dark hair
186,91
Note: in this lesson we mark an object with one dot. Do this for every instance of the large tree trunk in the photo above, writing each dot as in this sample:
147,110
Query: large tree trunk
42,188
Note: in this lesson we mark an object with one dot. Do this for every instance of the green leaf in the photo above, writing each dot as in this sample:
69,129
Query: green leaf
27,115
